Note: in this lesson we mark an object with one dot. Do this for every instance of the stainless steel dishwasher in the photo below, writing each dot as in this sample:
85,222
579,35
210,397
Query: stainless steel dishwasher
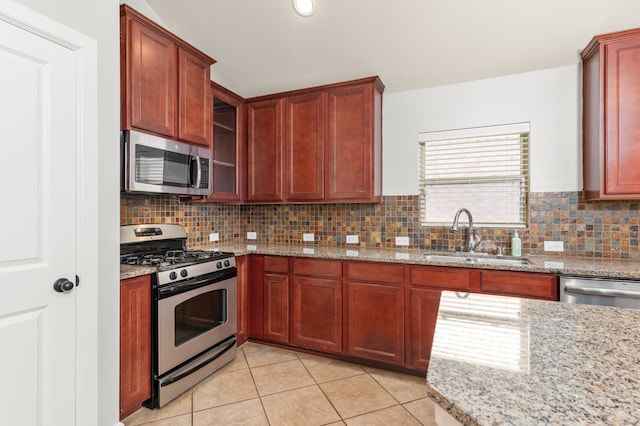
600,291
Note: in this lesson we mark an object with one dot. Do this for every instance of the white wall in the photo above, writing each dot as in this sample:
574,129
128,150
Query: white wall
99,19
549,99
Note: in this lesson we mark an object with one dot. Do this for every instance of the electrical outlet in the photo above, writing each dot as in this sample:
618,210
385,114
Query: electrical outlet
252,236
402,241
308,237
214,236
554,246
352,239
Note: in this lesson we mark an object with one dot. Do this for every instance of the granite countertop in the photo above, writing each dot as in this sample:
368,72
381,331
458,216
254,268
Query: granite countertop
548,264
512,361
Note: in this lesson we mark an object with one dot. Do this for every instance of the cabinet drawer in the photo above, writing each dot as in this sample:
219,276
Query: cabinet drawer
375,272
318,267
276,264
441,277
543,286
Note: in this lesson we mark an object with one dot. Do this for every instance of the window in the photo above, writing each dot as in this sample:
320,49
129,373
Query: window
484,169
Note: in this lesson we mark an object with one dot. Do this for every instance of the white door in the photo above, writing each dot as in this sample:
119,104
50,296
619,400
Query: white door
37,228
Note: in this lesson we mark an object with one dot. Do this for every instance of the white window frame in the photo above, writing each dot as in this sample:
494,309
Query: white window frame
522,176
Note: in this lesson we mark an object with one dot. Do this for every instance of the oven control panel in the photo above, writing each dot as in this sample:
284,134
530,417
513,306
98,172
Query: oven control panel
182,272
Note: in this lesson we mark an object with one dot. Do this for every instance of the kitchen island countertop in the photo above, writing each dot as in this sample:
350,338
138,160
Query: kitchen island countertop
505,360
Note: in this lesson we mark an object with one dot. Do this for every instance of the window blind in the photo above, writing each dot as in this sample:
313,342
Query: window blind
485,170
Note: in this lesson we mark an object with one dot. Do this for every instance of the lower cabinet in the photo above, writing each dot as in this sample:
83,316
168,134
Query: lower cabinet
276,299
424,313
381,312
317,305
135,343
375,315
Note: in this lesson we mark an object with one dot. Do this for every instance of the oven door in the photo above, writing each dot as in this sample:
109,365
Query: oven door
194,316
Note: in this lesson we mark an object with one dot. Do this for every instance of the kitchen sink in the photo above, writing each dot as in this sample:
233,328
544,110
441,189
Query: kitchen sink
477,259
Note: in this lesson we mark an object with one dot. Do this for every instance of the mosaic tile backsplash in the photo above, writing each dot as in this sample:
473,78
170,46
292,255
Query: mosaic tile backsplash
597,229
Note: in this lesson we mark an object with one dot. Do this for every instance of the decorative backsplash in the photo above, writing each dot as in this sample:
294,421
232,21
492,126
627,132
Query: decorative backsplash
599,229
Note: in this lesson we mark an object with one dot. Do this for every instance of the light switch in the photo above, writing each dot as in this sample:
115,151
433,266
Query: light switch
214,236
402,241
252,236
352,239
308,237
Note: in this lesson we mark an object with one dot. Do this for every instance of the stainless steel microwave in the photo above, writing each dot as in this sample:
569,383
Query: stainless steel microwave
151,164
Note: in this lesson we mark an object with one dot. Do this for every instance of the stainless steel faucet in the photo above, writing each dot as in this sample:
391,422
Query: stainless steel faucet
473,240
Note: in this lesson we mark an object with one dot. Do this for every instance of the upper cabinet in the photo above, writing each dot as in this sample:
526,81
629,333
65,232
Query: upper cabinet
611,116
165,82
322,144
264,150
229,145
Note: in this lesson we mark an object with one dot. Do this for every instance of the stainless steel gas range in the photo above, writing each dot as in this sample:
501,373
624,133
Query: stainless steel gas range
193,309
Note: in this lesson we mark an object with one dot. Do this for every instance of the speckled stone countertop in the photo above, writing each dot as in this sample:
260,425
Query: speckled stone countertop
559,265
550,264
510,361
132,271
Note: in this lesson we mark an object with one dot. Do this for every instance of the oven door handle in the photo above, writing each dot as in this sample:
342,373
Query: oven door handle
204,280
181,376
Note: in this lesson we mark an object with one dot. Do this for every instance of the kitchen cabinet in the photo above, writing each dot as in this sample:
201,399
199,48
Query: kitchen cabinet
276,298
375,312
424,313
264,150
354,169
229,145
522,284
611,107
329,151
135,343
304,147
317,304
165,82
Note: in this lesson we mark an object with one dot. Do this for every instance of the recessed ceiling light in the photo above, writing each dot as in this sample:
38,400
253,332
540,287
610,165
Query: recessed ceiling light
304,7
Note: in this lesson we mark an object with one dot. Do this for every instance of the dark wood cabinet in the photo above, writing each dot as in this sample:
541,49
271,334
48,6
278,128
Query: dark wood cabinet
194,99
304,147
135,343
264,150
276,299
317,304
523,284
423,316
376,321
164,82
355,142
611,116
229,146
375,311
331,148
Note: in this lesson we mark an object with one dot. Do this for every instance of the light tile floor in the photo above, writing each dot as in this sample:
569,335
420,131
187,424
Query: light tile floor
272,386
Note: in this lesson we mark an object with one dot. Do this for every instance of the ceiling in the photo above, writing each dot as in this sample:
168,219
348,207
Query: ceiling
263,46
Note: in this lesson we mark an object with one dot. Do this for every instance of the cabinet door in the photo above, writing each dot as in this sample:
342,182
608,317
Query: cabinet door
622,94
152,99
195,103
276,307
135,343
424,313
264,150
229,145
304,142
317,313
351,143
375,316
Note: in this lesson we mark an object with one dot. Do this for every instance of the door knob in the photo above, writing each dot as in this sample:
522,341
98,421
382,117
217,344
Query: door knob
63,285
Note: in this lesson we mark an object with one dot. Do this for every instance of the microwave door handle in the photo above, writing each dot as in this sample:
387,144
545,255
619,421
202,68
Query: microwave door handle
194,171
198,172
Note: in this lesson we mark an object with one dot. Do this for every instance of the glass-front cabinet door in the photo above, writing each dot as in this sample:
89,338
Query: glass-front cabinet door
228,145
